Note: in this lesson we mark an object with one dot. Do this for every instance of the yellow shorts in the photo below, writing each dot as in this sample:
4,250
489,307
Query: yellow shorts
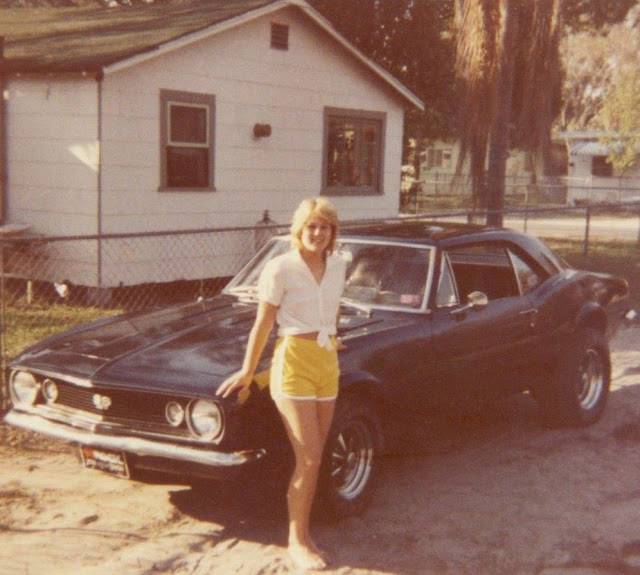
301,369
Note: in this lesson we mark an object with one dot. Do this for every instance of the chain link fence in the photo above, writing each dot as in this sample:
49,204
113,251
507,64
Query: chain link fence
441,187
50,284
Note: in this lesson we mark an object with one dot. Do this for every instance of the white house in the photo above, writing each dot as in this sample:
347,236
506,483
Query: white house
438,164
187,115
591,178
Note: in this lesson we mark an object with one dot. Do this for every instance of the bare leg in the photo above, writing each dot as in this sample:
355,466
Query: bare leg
303,428
325,410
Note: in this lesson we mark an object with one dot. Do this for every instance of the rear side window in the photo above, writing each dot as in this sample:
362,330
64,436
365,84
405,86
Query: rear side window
483,267
527,277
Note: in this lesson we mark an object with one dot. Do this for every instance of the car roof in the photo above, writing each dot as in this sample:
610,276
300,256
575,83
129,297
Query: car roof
425,232
446,235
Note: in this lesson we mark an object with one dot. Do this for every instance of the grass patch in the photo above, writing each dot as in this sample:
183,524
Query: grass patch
617,258
28,323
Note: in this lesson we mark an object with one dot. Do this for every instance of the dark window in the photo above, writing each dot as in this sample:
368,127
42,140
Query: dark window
438,158
353,152
280,36
187,130
601,167
485,268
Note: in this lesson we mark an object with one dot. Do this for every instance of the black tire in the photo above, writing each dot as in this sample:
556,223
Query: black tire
350,458
577,392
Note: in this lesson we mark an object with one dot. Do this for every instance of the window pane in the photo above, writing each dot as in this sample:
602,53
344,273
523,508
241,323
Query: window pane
526,276
446,294
370,160
485,268
385,275
342,165
187,167
353,152
601,167
188,124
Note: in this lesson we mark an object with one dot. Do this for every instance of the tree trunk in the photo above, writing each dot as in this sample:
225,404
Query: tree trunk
499,143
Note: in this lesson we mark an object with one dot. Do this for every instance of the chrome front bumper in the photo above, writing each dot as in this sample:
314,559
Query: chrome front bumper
136,445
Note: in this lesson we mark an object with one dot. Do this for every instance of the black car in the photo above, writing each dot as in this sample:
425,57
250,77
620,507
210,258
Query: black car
434,318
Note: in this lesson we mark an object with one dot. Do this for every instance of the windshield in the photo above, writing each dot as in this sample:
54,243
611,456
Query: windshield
379,275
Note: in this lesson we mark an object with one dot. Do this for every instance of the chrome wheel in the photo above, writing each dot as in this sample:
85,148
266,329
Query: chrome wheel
352,459
591,380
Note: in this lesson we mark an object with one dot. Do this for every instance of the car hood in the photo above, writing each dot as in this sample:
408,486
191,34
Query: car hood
185,348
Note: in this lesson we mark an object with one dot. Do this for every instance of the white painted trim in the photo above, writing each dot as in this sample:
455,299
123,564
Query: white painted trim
257,13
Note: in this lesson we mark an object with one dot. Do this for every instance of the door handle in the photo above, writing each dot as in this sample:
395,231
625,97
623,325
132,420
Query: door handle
532,314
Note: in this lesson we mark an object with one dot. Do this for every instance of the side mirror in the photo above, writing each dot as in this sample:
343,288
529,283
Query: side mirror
475,299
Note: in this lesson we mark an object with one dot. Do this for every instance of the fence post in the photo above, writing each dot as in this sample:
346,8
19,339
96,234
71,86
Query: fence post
4,384
585,250
639,224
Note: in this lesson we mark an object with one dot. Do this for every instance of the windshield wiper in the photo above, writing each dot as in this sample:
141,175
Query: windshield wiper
348,302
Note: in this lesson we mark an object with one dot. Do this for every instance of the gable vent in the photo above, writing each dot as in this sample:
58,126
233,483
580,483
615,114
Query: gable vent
280,36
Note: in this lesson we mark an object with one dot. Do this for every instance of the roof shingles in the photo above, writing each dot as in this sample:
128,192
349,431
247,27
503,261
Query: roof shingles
87,39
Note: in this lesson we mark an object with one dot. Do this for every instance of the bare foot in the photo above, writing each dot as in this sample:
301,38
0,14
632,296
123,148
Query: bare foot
317,550
305,558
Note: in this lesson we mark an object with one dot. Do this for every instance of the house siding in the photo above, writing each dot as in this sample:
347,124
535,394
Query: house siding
53,155
252,84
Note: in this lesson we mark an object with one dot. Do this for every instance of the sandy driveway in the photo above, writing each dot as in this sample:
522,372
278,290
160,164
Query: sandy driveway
498,495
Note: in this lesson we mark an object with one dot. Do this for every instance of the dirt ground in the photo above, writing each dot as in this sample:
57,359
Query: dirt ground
499,495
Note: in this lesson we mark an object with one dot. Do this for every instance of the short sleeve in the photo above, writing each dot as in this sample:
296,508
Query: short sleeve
271,284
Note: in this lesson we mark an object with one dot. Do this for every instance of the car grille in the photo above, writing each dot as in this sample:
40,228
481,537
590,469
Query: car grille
138,410
124,405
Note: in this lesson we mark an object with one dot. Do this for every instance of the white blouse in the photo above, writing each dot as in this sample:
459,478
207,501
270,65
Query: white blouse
304,304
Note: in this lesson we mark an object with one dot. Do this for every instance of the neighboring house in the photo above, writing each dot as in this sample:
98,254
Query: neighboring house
187,115
438,163
591,178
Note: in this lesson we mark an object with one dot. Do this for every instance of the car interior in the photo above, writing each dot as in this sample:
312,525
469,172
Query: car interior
483,268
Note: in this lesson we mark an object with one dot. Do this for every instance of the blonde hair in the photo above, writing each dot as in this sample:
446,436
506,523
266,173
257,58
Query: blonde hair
311,208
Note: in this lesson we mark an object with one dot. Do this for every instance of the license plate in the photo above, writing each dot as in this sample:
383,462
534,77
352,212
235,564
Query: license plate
113,462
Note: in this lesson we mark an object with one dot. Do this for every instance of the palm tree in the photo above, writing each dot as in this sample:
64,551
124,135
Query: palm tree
500,104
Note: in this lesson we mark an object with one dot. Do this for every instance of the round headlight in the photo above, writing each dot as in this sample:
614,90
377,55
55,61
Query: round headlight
205,419
24,388
50,390
174,413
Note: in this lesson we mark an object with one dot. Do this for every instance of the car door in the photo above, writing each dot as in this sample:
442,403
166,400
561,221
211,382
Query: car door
482,352
554,304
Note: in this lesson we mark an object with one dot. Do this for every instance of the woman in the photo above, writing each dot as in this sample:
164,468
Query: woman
301,291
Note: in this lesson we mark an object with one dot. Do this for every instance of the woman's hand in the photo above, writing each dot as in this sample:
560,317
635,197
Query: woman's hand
238,381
